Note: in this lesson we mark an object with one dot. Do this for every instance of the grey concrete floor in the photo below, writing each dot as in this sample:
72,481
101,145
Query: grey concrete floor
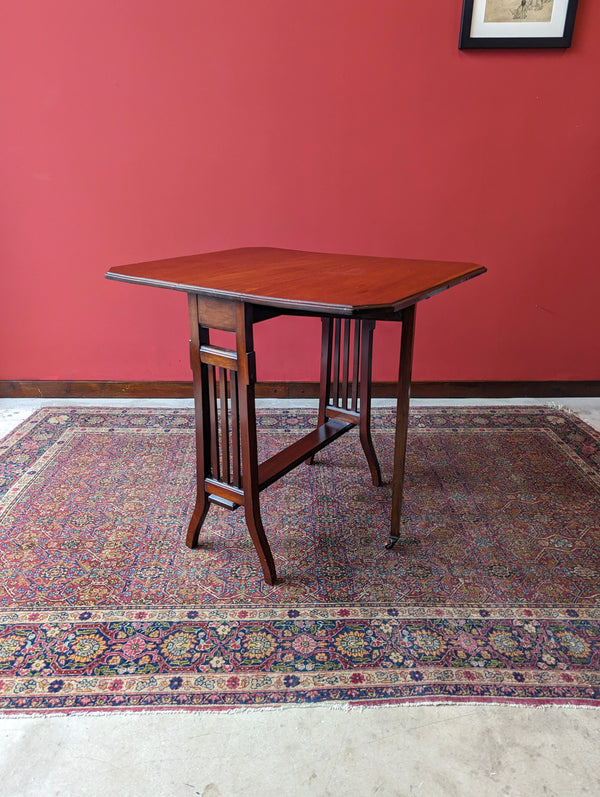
460,749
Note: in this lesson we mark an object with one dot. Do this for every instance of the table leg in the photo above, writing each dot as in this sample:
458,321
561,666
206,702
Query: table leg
247,419
199,336
364,424
325,374
402,408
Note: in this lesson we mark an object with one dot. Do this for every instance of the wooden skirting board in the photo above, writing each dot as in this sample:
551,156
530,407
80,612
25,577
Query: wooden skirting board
173,390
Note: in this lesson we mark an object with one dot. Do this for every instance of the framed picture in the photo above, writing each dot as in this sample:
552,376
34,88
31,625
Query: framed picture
517,23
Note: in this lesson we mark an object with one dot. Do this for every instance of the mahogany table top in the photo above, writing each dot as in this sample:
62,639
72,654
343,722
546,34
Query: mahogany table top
303,281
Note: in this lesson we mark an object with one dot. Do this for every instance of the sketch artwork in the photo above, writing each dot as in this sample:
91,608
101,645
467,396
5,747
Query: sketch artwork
518,10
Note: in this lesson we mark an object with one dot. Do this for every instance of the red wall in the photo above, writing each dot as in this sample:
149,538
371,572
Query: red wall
148,128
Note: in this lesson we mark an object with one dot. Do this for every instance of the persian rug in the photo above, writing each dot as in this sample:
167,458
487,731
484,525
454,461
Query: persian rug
492,595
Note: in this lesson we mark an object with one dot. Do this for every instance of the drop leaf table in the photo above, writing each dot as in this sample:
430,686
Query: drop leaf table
235,289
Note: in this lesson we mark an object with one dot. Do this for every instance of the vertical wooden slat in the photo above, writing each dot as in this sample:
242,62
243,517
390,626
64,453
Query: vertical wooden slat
335,392
355,366
214,440
346,363
224,423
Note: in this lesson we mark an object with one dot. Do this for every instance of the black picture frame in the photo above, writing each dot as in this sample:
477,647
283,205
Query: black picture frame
518,39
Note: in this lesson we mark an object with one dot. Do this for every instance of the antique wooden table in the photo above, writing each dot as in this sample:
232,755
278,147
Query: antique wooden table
235,289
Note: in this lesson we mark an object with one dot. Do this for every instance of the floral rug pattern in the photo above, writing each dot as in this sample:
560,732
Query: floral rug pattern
493,593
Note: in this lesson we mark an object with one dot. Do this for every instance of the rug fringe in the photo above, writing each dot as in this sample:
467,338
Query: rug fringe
327,706
555,405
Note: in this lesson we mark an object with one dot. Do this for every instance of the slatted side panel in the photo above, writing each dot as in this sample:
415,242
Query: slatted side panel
225,458
345,344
